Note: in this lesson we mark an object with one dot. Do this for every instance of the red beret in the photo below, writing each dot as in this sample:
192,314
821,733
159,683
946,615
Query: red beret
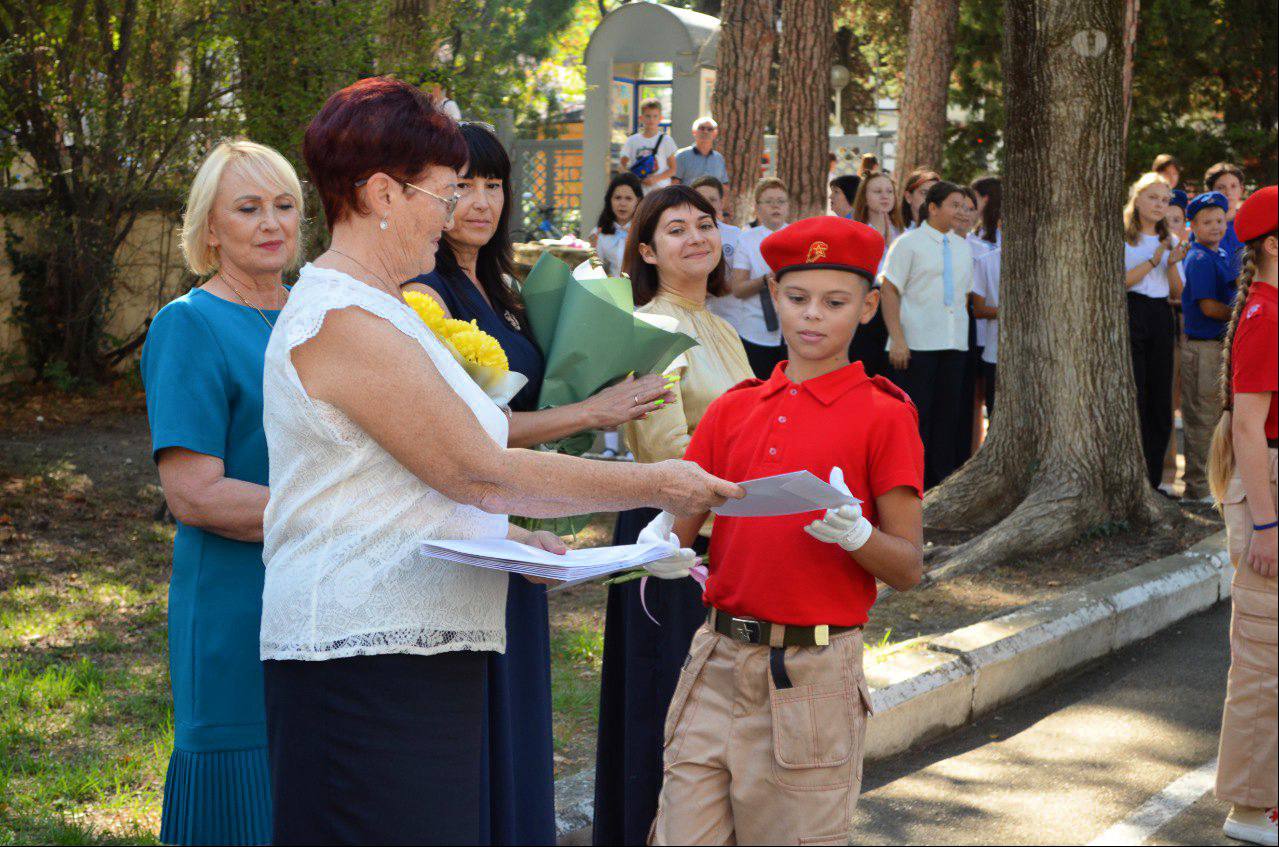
1256,217
824,242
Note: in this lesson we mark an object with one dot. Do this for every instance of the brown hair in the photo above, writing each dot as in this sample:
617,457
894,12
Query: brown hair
644,277
861,210
1164,161
868,166
1221,452
1219,170
650,103
913,180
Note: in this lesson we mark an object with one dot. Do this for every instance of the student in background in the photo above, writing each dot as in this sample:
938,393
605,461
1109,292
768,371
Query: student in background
1206,303
927,276
1149,257
986,269
868,165
876,206
652,142
609,236
1229,180
987,234
1243,470
750,309
1167,166
843,191
972,392
1176,220
914,190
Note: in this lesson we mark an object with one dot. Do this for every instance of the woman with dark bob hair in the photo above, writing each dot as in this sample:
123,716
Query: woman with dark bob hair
675,261
375,655
471,281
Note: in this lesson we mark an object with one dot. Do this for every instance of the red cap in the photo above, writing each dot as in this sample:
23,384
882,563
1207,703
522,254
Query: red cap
1256,217
825,242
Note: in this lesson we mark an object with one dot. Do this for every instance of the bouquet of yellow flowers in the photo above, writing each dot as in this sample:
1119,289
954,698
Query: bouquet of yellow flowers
476,351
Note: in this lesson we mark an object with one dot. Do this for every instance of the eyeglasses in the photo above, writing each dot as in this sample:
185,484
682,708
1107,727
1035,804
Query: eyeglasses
450,203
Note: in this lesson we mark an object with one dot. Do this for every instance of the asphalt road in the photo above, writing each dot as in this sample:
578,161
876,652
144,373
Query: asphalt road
1121,752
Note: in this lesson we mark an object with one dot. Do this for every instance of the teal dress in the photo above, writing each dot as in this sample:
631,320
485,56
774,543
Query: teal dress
202,369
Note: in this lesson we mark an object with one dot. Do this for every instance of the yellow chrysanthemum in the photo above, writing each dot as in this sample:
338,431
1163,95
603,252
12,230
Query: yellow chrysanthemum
431,313
479,347
473,344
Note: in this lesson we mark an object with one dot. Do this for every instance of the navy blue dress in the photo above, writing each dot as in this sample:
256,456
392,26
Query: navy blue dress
521,777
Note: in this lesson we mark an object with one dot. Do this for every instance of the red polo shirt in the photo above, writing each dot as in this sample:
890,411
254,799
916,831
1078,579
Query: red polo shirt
1254,358
769,568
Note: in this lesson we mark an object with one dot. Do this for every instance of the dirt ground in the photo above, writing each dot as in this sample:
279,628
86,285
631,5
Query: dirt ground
103,443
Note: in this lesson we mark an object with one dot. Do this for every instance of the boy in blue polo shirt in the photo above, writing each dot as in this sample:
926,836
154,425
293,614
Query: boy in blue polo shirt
1206,301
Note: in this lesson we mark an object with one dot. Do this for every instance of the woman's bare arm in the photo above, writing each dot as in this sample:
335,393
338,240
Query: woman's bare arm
200,495
387,384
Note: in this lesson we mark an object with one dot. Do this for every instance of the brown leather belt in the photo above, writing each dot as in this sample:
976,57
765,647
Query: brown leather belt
753,631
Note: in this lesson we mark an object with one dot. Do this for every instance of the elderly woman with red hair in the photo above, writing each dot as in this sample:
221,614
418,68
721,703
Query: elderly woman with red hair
374,654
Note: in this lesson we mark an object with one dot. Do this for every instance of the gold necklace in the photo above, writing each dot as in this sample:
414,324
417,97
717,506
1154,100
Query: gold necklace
226,277
365,268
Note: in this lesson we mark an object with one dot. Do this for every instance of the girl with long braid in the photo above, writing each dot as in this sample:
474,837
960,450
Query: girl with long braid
1242,471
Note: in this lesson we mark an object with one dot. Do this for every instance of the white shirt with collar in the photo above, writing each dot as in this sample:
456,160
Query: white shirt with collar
612,247
914,267
747,316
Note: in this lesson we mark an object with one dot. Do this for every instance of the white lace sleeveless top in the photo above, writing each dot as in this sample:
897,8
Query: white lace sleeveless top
344,575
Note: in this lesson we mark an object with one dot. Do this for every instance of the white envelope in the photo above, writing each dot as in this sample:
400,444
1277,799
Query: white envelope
785,494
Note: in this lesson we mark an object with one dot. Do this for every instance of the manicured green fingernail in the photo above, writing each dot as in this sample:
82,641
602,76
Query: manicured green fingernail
660,403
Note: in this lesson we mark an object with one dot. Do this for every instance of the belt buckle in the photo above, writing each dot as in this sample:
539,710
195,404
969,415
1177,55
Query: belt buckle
745,629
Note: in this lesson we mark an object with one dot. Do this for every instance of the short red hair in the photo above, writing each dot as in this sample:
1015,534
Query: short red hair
378,124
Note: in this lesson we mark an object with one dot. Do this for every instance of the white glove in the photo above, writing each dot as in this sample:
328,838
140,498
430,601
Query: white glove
844,526
675,565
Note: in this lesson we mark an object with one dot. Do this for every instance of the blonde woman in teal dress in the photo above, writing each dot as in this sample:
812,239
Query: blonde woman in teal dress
202,368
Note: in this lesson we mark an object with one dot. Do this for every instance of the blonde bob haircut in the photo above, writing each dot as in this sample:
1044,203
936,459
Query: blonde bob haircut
1132,226
255,161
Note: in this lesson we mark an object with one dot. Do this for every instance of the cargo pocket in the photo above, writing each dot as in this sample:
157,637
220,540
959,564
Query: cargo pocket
1238,520
815,733
698,652
1253,634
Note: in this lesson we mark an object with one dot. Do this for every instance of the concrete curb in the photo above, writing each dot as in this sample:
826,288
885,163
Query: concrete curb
943,683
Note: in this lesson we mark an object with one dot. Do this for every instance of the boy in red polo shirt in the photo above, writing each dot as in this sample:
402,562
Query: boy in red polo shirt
764,734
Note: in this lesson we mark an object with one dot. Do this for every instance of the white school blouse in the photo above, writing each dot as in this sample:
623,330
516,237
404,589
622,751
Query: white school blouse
1155,282
345,575
747,316
986,285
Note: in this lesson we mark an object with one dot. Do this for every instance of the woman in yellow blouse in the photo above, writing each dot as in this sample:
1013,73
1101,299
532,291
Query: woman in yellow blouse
675,261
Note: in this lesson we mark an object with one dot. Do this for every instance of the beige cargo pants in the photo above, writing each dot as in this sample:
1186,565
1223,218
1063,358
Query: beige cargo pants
749,763
1200,409
1247,762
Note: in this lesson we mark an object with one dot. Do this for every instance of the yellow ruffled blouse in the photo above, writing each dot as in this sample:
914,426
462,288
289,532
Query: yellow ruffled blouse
716,364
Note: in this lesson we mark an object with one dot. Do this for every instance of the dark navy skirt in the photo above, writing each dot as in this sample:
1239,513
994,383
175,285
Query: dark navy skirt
521,777
379,749
642,662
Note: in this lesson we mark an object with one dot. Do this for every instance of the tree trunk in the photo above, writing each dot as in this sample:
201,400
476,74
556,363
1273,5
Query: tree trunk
804,104
930,58
1064,455
741,95
1132,13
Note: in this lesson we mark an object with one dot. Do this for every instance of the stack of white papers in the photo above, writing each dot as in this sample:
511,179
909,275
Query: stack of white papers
502,554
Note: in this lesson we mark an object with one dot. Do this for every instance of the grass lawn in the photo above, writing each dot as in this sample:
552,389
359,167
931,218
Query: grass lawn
85,716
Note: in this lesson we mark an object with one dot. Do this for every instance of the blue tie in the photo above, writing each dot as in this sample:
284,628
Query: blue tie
947,273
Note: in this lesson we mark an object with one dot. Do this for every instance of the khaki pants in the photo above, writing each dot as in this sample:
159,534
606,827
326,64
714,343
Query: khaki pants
749,763
1200,409
1247,767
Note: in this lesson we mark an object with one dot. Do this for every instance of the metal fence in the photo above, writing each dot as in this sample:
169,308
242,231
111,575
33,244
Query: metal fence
547,186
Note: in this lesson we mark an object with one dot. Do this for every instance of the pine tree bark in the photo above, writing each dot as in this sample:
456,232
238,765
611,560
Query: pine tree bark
1063,456
930,58
804,103
740,102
